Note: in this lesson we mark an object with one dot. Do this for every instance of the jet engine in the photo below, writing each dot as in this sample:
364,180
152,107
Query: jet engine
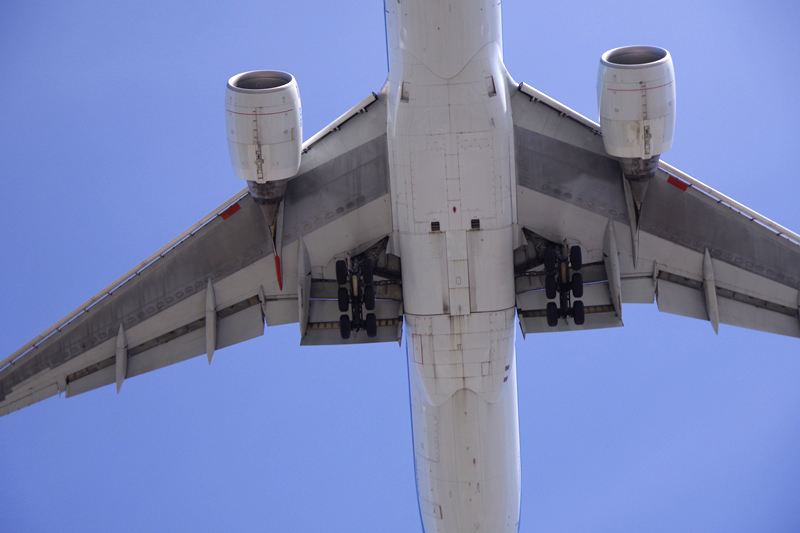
265,125
636,97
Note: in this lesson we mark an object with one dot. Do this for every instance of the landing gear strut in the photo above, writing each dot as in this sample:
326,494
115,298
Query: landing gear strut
557,284
356,288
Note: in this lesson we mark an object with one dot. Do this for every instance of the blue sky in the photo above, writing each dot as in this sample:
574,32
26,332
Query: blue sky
112,143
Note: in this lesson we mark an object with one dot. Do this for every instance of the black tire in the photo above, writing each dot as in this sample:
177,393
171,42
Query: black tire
369,297
577,284
552,314
366,270
578,313
344,326
371,324
341,272
549,259
550,286
575,258
344,300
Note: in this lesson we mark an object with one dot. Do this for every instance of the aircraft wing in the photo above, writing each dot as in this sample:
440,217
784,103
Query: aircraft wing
223,271
697,252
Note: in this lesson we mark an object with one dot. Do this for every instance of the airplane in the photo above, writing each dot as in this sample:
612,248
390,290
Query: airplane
551,344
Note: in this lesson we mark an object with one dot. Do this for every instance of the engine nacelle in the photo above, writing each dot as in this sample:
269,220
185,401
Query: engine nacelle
264,122
636,97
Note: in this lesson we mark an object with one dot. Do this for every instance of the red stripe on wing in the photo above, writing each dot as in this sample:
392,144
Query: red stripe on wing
228,213
682,185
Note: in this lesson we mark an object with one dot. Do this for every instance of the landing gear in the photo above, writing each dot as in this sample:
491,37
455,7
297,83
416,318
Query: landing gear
356,292
344,299
558,261
578,313
552,314
366,270
369,297
341,272
550,286
549,259
577,285
575,259
344,326
371,325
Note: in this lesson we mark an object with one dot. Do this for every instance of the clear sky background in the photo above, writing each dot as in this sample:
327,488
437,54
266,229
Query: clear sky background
112,142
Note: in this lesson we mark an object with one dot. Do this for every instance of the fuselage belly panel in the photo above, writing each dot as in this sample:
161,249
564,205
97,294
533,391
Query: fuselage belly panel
450,138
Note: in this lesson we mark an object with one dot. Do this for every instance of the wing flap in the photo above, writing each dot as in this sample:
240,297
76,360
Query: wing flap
684,296
681,300
29,397
246,324
164,329
638,290
747,316
280,311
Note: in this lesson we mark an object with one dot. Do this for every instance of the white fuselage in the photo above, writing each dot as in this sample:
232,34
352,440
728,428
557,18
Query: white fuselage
451,163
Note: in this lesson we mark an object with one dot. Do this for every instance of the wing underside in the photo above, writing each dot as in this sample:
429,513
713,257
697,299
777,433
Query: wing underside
223,274
696,252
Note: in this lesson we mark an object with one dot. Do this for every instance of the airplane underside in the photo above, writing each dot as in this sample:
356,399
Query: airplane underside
454,202
450,136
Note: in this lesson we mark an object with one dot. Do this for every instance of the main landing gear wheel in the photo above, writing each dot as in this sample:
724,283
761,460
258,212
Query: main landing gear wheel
344,299
577,285
552,314
344,326
575,258
369,297
341,272
578,313
550,286
549,259
371,324
366,270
